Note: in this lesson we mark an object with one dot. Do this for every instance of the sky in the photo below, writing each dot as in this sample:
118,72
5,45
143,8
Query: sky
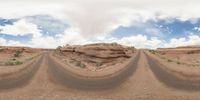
139,23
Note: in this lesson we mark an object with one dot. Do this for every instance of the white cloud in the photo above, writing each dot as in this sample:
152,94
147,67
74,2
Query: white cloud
20,28
2,41
70,36
183,41
92,20
95,17
139,41
74,37
197,28
154,31
15,43
43,42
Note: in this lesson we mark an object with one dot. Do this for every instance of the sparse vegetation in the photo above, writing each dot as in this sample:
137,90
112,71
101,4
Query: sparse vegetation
77,63
29,58
1,49
13,62
175,61
152,51
18,53
114,44
196,65
169,60
178,62
163,57
98,64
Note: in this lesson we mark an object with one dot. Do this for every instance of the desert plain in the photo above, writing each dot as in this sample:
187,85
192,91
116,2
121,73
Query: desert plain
101,71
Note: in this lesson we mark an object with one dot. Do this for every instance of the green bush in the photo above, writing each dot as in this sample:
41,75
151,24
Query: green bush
99,64
169,60
178,62
77,63
1,49
114,44
196,65
82,65
17,53
13,62
152,51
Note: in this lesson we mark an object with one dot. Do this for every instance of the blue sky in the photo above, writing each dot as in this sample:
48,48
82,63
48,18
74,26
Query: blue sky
142,24
48,25
4,22
161,29
165,30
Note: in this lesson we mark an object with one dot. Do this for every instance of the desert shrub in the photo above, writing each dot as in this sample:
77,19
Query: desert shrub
163,58
163,53
169,60
99,64
28,59
18,63
114,44
152,51
82,65
13,62
1,49
17,53
196,65
77,63
178,62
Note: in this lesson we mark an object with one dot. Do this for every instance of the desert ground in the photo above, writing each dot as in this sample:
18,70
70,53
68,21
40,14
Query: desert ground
16,55
101,72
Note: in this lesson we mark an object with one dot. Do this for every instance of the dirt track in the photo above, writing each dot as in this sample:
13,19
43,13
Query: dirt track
143,83
105,81
172,80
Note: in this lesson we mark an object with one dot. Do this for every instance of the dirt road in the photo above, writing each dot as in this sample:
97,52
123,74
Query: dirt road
105,81
143,83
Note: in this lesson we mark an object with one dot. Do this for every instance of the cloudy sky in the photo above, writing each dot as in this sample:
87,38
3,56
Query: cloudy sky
139,23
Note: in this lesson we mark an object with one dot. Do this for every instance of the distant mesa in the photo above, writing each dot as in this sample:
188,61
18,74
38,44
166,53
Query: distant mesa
193,49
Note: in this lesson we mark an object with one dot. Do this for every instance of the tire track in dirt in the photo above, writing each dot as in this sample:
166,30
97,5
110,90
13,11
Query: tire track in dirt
22,79
141,84
66,78
171,80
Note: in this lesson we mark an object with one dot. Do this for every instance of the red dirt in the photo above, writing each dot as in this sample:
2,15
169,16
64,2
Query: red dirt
7,53
188,55
142,85
154,79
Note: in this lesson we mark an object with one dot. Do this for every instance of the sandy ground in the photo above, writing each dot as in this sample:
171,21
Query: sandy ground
143,84
7,53
187,56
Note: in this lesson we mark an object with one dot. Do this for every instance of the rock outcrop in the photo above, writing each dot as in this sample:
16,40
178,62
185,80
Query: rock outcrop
101,50
97,54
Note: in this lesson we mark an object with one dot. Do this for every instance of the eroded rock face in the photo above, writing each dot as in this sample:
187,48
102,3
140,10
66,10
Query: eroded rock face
97,54
101,50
